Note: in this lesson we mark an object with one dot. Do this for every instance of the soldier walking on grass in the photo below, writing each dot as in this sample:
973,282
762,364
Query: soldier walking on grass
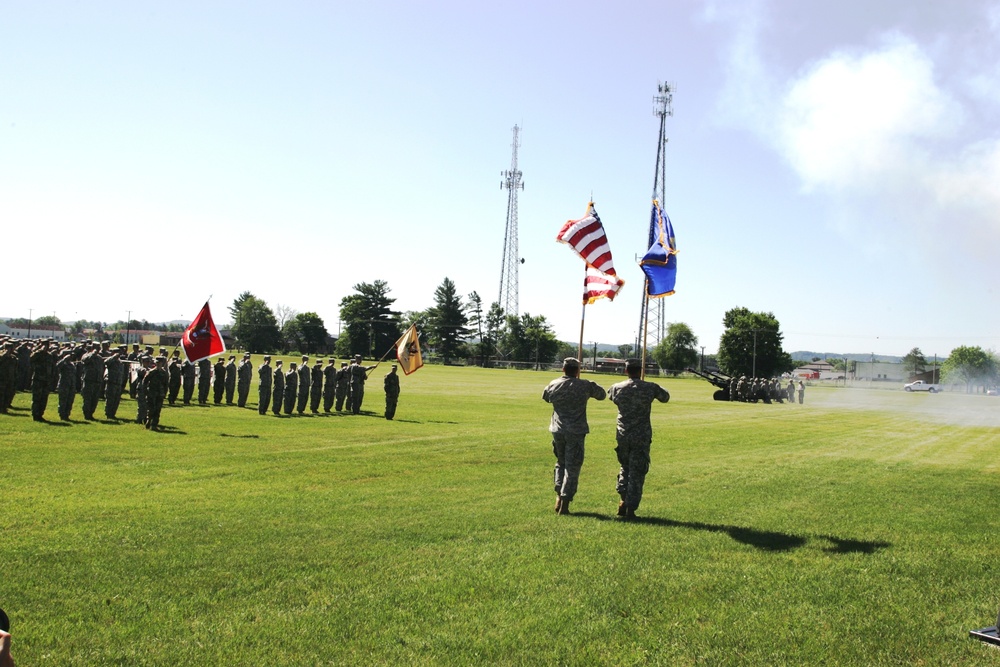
568,396
634,397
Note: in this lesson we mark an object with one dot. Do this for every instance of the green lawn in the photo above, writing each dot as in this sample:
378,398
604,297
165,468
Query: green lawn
857,529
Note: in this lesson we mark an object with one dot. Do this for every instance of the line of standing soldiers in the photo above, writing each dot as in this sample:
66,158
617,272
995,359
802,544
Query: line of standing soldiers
313,386
751,390
90,369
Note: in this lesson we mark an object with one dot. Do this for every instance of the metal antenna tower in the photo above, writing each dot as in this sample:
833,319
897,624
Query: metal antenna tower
511,256
656,313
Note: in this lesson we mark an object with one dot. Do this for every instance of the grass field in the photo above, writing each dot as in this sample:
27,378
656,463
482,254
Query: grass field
860,528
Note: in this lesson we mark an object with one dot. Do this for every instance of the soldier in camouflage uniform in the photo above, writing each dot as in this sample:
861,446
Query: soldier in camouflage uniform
230,379
141,404
343,385
291,385
279,388
391,386
115,383
204,380
156,382
305,378
265,379
358,374
568,396
174,374
93,377
188,374
219,382
329,384
244,376
316,388
41,379
66,370
634,397
8,376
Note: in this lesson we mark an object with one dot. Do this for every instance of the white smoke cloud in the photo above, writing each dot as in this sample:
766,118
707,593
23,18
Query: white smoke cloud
897,130
854,121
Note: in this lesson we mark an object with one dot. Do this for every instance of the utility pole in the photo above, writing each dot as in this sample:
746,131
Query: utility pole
511,256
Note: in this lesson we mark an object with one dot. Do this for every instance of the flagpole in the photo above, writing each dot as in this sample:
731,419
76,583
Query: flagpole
583,315
645,328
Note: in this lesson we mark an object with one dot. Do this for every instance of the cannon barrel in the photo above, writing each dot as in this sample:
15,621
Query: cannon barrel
719,380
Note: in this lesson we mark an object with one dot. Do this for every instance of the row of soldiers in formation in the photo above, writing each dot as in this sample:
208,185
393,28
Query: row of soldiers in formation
97,371
751,390
90,369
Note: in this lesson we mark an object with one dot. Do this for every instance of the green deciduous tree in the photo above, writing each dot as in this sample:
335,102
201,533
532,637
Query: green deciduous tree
310,332
678,349
529,338
751,345
446,321
914,362
370,326
254,325
971,365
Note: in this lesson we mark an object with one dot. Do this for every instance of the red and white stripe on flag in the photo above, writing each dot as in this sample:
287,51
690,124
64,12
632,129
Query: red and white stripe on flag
598,285
586,236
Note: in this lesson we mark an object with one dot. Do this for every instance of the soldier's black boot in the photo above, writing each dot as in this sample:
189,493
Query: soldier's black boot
563,505
558,504
622,508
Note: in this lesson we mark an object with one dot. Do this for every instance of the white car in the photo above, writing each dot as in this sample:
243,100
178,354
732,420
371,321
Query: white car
920,385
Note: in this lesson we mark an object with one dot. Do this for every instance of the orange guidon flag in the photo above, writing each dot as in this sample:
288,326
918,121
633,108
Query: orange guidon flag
408,350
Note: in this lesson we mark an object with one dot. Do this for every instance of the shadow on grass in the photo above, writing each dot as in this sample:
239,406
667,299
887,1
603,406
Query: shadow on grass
169,430
759,539
233,435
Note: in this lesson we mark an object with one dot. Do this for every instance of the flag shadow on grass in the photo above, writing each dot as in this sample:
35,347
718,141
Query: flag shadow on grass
760,539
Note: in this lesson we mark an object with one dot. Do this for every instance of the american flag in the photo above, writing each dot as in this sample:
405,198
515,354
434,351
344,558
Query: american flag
586,236
598,285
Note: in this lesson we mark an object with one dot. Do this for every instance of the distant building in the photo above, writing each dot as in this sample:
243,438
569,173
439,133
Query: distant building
36,331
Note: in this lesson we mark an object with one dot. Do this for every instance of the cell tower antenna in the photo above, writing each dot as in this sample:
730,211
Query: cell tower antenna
655,316
511,257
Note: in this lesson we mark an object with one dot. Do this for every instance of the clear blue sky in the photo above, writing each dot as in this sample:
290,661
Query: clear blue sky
836,163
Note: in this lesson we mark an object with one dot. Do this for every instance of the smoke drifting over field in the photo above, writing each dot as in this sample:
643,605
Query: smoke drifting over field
948,407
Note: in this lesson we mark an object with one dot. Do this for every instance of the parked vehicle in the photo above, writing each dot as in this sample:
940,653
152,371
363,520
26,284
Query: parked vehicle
920,385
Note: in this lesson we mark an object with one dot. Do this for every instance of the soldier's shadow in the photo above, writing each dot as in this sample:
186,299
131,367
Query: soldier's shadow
758,539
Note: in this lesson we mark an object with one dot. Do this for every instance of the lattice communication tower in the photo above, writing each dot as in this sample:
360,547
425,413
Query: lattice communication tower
654,309
511,257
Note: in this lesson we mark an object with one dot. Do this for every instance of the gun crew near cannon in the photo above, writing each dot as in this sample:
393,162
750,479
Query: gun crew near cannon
750,390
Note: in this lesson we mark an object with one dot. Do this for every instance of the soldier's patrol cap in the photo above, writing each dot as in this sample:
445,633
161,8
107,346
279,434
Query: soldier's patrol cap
232,357
343,364
267,357
331,361
571,362
105,342
246,356
278,362
633,364
305,357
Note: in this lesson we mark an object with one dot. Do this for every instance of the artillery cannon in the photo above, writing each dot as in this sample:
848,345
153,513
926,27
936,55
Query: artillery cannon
718,379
